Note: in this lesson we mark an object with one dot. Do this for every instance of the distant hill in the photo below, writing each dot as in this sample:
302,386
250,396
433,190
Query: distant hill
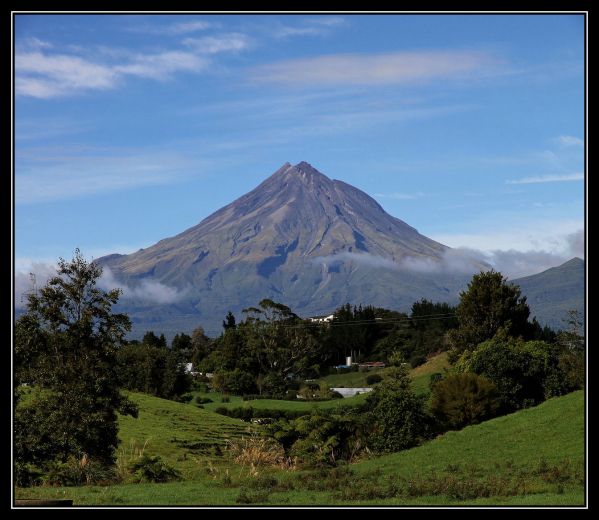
552,293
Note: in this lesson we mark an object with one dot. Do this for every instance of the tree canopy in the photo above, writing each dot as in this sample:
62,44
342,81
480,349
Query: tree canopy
65,356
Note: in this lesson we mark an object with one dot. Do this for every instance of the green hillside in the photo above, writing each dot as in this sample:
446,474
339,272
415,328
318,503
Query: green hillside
552,293
532,457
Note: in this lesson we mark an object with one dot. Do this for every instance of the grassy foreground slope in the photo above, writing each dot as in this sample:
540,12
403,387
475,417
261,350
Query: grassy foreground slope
529,444
537,455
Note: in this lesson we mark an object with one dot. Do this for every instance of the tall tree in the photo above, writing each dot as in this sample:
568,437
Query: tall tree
488,305
65,349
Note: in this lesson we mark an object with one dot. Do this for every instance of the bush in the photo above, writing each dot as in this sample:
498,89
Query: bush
525,373
320,439
397,415
257,450
373,379
153,469
203,400
185,398
463,399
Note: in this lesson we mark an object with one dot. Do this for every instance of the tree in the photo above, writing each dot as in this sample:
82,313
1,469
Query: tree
397,414
200,346
182,343
229,321
463,398
524,372
152,340
489,304
65,349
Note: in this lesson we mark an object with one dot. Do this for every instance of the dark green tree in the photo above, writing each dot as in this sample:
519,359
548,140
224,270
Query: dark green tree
397,414
524,372
65,350
182,343
488,304
200,346
229,321
152,340
462,399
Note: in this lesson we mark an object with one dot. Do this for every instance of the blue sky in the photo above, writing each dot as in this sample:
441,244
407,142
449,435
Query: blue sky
130,129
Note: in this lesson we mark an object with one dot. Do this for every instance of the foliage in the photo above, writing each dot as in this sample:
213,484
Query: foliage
525,373
397,415
66,345
488,305
152,340
236,382
200,346
319,440
462,399
153,469
396,359
153,370
256,450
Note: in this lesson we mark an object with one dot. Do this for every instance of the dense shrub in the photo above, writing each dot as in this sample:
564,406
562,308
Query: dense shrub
320,439
463,399
397,415
185,398
153,469
203,400
525,373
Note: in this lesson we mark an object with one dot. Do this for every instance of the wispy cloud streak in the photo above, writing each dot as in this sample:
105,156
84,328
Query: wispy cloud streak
548,178
374,69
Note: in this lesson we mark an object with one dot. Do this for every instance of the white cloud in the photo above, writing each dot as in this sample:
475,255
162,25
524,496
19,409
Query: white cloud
400,196
44,76
174,29
522,251
569,140
147,291
575,243
314,26
35,43
327,21
286,31
374,69
43,271
163,65
233,42
188,27
365,259
548,178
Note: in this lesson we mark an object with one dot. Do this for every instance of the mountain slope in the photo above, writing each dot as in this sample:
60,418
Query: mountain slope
552,293
299,238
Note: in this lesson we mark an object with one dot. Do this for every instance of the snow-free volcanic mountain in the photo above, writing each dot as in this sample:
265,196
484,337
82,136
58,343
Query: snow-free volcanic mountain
298,238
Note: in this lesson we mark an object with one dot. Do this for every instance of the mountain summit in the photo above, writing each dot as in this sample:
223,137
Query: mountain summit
300,238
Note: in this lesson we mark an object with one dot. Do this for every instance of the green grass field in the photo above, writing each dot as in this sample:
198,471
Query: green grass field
420,381
420,375
532,457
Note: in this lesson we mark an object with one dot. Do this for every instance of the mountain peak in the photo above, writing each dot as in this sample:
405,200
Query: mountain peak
305,167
